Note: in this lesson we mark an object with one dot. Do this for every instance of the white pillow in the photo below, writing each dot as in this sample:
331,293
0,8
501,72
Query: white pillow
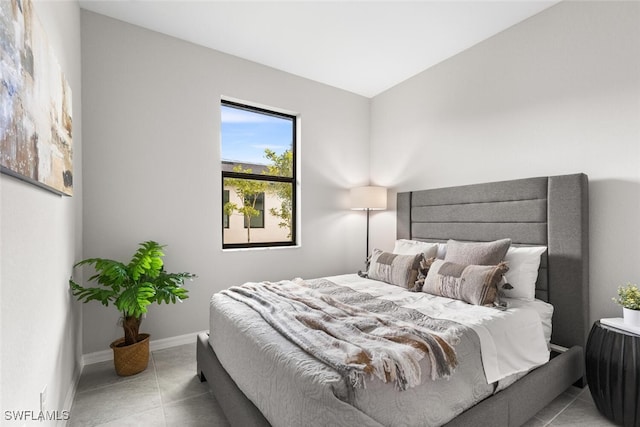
442,251
414,247
523,263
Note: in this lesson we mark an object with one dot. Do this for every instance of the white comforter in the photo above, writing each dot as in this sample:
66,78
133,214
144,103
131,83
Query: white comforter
512,341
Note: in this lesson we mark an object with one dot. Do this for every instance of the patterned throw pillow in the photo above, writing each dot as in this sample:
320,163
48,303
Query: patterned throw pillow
475,284
399,270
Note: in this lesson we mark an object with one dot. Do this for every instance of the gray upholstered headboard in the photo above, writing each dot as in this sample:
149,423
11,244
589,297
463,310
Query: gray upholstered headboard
551,211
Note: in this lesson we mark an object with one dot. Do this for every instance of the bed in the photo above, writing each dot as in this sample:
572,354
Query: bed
549,211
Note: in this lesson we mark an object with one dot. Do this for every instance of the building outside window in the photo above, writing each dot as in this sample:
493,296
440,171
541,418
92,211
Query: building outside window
258,148
225,200
256,221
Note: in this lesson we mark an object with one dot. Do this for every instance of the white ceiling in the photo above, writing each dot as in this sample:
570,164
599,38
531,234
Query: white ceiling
364,47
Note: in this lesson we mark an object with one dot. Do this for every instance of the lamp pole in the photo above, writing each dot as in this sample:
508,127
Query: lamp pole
366,258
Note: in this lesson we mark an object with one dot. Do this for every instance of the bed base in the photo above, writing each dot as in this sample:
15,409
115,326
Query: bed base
237,408
511,407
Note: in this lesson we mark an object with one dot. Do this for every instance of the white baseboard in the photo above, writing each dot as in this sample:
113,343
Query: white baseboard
95,357
174,341
71,394
105,355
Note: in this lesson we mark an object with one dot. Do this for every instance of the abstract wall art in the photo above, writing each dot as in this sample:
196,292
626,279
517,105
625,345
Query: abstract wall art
35,103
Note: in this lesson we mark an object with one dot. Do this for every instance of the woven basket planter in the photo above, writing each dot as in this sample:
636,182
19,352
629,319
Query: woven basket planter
131,359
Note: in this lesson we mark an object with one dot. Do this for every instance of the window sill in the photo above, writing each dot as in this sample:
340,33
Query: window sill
262,248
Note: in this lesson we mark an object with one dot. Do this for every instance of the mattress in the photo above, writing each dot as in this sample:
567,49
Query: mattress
292,388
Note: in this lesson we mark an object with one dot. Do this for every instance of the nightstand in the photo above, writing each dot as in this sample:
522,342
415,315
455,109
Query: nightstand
613,373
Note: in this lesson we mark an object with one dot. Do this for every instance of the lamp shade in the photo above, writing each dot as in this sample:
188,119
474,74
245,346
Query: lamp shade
369,197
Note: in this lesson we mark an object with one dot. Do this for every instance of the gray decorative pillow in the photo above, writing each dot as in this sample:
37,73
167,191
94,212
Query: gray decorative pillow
399,270
477,253
475,284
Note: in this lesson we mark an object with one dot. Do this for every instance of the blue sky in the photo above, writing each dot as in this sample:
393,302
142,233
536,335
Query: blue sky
246,134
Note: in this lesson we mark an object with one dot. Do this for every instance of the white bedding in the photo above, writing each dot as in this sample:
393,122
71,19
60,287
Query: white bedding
292,388
518,332
544,310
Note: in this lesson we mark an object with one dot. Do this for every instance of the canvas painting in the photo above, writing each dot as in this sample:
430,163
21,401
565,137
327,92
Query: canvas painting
35,103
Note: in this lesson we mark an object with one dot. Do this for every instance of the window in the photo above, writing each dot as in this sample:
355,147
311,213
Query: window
258,150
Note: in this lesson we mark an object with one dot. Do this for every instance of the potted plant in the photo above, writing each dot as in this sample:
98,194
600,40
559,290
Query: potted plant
629,299
131,288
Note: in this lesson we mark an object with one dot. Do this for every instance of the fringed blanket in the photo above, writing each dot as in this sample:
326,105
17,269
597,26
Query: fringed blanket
376,338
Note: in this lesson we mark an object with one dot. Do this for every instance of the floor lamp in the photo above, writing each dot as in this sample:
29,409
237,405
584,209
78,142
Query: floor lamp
368,198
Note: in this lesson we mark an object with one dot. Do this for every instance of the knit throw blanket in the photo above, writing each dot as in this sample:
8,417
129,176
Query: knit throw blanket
357,342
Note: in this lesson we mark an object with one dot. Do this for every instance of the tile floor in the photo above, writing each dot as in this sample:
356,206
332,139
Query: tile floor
169,393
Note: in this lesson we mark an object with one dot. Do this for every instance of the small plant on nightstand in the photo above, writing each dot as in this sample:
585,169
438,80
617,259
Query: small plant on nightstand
131,288
629,299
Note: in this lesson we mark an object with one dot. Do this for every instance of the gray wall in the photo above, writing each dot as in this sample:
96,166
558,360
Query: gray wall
152,157
41,238
556,94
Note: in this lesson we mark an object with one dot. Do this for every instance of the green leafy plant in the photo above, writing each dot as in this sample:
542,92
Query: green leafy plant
132,287
628,297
